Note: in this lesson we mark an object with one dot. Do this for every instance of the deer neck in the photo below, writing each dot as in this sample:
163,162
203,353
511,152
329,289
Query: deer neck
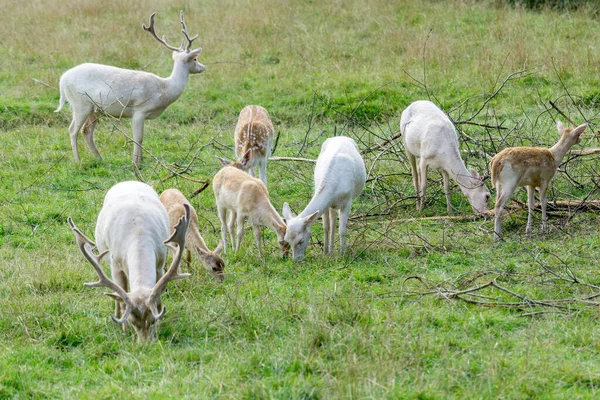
459,173
319,203
141,270
176,82
560,149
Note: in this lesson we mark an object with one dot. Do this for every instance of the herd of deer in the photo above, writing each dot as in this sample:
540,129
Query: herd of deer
134,224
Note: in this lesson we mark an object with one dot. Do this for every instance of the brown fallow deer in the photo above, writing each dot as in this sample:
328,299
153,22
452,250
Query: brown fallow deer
175,203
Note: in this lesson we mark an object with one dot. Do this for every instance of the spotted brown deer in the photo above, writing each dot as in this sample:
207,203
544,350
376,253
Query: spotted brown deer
253,137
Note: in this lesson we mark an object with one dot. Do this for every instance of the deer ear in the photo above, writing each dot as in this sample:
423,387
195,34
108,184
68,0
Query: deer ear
219,247
559,126
225,162
311,218
245,160
287,212
193,54
579,130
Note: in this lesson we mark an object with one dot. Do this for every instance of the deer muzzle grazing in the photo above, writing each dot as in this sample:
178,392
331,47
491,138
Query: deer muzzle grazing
137,256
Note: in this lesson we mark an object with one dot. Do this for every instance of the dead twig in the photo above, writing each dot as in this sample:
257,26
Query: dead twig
200,189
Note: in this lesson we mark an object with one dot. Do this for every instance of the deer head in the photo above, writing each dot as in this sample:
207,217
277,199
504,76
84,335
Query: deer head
183,53
143,308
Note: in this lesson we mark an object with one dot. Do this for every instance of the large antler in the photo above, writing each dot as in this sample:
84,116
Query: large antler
164,42
178,237
184,31
161,40
85,245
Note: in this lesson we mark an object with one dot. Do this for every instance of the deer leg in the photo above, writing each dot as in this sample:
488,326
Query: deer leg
231,226
120,279
544,201
88,134
326,229
79,118
446,179
332,220
263,170
344,213
415,175
423,182
222,211
256,229
240,230
530,206
503,194
137,124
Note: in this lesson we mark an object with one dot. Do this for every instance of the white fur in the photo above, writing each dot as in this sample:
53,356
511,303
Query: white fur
340,176
428,134
133,227
95,89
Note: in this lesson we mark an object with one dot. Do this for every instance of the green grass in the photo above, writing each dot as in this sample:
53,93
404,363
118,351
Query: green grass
328,327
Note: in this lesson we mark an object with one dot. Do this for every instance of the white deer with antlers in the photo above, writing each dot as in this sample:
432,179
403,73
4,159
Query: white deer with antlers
95,89
133,229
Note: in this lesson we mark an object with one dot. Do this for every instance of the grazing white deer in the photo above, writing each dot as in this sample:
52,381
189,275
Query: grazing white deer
175,202
340,176
253,135
533,167
240,196
95,89
133,229
428,134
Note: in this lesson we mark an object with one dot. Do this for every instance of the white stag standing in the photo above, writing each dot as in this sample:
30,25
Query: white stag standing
253,135
94,89
532,167
133,229
429,135
340,176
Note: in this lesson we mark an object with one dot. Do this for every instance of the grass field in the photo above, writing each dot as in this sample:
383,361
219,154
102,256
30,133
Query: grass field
382,321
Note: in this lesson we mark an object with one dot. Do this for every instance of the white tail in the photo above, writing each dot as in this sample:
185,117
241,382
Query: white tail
137,256
532,167
175,202
253,137
429,135
340,176
95,89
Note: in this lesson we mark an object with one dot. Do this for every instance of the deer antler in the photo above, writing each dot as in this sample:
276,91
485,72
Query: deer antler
85,245
162,41
184,31
178,237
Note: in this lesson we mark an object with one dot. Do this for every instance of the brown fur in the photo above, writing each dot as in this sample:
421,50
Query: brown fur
247,197
253,132
532,167
532,162
173,200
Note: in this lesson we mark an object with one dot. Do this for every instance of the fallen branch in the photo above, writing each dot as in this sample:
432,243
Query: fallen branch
585,152
200,189
292,159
